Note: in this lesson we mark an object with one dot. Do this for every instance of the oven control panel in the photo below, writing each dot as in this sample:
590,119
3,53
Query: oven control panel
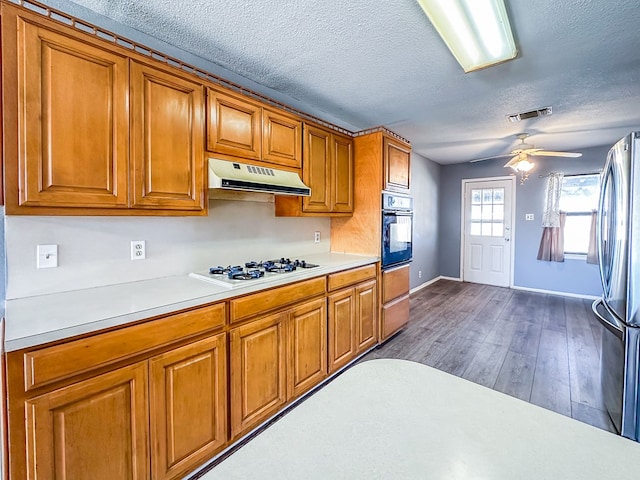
393,201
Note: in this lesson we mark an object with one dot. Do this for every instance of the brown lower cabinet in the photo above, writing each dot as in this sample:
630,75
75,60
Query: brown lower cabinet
275,359
100,428
258,383
97,429
187,383
395,301
353,315
157,399
69,418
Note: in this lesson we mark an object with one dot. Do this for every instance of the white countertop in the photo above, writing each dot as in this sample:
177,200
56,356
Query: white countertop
400,420
35,320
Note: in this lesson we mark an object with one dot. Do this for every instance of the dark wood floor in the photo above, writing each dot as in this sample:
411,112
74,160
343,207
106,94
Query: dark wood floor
540,348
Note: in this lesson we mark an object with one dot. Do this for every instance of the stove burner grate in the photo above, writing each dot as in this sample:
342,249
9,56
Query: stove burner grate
253,270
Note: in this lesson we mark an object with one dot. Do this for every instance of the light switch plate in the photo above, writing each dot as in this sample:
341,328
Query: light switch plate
47,256
528,216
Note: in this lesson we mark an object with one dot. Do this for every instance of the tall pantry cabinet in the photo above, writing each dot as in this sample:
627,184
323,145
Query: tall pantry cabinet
381,162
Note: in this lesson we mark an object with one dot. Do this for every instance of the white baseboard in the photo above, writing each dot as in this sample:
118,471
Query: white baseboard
514,287
431,282
553,292
453,279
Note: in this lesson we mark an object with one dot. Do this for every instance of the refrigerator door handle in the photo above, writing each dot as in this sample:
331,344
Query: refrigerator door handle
607,320
602,255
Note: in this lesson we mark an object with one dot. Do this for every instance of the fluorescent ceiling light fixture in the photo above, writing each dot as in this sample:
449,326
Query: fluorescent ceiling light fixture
476,31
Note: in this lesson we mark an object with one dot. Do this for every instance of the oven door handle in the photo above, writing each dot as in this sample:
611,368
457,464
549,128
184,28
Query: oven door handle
398,213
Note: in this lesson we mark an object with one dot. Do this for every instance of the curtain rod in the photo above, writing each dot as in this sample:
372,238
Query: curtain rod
573,174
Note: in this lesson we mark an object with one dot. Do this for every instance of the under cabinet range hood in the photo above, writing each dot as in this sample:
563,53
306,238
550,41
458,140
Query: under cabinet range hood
250,178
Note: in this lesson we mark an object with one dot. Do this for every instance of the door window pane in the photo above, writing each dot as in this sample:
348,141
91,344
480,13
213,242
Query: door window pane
498,212
487,212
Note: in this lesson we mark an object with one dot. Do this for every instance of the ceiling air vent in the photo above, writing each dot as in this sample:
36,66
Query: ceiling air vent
541,112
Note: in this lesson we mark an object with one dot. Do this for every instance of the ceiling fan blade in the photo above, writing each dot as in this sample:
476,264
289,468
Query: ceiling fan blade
513,161
548,153
489,158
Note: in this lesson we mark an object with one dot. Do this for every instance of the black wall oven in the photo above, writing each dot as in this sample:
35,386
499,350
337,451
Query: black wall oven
397,229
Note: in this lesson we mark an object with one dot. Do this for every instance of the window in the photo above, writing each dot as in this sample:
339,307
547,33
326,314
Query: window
487,212
579,197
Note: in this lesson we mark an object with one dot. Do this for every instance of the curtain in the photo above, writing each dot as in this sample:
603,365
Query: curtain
592,252
552,241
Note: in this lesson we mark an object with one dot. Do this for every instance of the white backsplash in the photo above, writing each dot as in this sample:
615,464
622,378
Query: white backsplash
95,251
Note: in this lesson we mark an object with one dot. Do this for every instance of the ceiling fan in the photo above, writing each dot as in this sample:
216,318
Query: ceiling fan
519,160
524,150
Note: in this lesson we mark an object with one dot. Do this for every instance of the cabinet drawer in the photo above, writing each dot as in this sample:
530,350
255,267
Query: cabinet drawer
50,364
268,300
395,283
342,279
395,315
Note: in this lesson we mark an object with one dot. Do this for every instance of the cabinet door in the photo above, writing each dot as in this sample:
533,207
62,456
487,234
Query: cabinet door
73,123
307,346
281,139
342,191
188,395
396,165
342,345
167,140
234,125
366,315
258,372
96,429
316,170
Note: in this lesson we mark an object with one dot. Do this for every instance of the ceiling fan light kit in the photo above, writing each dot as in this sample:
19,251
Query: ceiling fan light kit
477,32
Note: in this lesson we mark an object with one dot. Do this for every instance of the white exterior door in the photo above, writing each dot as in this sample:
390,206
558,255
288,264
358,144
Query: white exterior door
487,223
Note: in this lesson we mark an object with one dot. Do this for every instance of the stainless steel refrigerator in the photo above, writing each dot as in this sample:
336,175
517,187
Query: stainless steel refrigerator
618,238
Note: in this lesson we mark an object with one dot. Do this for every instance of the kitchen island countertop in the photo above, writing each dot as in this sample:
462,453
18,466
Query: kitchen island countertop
400,420
40,319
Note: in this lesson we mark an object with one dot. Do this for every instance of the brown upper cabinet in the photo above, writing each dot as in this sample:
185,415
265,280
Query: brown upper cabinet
66,102
167,152
281,138
69,102
327,168
397,164
240,127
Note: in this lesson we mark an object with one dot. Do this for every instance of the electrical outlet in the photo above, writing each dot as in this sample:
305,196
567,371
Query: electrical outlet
138,250
419,273
316,237
528,216
47,256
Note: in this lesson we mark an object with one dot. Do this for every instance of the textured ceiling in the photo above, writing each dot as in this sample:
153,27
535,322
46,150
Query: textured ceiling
373,63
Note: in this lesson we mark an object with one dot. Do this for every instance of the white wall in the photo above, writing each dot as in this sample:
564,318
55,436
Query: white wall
95,251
